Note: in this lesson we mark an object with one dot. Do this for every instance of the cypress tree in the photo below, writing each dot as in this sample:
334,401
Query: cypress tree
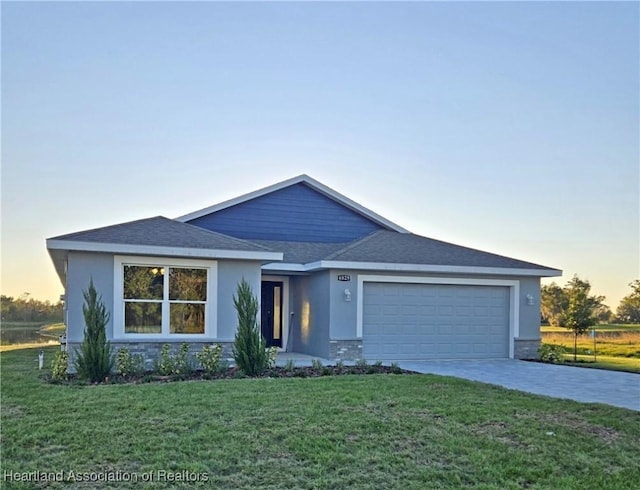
94,360
249,347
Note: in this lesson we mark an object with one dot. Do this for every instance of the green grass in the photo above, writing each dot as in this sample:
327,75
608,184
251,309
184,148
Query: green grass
599,328
617,346
362,432
628,364
54,328
625,344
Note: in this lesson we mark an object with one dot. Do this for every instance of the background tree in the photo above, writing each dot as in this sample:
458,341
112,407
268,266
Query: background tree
94,360
573,307
582,309
249,347
553,304
26,308
629,309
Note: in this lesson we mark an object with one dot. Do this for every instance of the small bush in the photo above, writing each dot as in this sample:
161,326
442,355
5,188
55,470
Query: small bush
166,363
395,369
128,364
209,358
182,364
290,365
316,364
272,356
551,353
361,363
59,366
174,365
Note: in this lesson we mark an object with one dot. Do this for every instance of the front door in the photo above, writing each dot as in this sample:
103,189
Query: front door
271,315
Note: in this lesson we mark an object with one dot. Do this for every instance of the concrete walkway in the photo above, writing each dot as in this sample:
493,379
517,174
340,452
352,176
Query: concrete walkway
580,384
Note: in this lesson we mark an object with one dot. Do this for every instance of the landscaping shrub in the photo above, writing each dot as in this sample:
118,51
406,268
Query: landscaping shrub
128,364
60,365
249,347
183,364
272,356
209,358
395,368
167,363
94,360
179,364
362,363
550,353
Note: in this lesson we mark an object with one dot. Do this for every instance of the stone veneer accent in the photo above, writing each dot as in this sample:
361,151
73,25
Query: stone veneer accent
345,350
526,348
151,350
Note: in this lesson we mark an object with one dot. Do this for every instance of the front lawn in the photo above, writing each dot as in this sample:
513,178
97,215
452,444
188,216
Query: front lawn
628,364
366,431
617,350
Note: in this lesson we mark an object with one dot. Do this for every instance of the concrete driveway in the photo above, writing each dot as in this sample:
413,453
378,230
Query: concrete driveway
580,384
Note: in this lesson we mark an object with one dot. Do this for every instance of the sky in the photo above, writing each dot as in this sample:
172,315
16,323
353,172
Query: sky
508,127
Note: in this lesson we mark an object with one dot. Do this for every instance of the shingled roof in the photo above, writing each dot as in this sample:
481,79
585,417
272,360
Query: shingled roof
302,252
158,236
161,232
406,248
389,247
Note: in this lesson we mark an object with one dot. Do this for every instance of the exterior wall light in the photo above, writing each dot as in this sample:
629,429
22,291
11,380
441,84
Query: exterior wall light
529,299
347,295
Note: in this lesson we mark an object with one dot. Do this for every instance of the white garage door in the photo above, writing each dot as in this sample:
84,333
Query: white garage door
434,321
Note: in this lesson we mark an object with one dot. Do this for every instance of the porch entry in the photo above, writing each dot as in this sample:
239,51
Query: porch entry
271,321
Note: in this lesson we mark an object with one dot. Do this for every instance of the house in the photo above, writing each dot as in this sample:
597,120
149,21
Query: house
335,280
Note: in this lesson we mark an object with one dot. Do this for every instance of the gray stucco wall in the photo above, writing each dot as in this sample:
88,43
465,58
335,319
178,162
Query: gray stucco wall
311,306
529,314
230,273
81,268
343,313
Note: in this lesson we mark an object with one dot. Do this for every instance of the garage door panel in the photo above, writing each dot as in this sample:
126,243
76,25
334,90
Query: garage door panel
426,321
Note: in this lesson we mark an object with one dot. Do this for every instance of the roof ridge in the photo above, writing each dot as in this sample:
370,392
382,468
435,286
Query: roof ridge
354,244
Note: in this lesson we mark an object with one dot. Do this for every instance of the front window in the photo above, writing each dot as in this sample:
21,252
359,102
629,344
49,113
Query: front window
164,299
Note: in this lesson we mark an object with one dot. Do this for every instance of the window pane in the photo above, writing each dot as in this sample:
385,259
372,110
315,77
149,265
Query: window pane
187,284
143,282
142,317
187,318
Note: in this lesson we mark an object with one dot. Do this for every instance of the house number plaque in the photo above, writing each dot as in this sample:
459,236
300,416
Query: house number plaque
344,277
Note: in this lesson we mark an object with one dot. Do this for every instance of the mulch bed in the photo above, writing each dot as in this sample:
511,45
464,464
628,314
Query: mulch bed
235,373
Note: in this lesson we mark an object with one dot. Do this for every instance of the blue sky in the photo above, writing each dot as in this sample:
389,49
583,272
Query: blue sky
510,127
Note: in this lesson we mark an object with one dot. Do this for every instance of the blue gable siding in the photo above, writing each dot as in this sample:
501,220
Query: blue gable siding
296,213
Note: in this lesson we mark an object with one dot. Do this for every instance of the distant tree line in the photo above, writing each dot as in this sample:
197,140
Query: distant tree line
27,309
559,305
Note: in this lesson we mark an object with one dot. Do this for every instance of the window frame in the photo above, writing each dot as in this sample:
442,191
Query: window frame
210,305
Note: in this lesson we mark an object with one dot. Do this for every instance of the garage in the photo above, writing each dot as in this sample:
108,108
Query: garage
402,321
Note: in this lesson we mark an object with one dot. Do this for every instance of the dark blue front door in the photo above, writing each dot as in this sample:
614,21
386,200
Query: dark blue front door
271,314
